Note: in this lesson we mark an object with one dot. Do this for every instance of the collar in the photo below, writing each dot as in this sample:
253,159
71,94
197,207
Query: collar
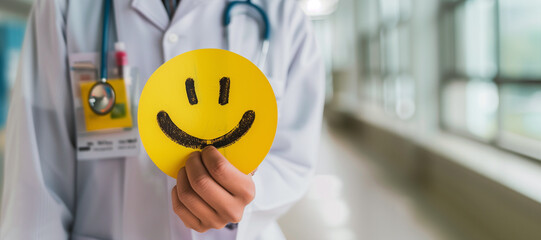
154,11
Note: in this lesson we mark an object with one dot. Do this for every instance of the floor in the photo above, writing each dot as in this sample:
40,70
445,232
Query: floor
352,198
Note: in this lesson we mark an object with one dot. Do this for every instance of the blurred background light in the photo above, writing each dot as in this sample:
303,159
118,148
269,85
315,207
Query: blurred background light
318,8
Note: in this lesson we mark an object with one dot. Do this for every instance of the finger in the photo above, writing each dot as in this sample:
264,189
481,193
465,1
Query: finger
193,155
189,220
197,206
227,175
209,190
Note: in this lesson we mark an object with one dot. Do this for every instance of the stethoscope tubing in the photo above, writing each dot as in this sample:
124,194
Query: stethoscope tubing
266,23
104,37
265,35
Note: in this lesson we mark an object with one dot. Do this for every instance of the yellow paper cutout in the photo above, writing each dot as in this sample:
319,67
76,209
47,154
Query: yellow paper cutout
185,106
119,117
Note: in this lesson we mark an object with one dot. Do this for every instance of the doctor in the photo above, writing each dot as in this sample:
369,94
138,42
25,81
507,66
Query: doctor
49,194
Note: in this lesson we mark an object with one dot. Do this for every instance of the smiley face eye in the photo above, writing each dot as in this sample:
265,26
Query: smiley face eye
190,91
224,91
223,99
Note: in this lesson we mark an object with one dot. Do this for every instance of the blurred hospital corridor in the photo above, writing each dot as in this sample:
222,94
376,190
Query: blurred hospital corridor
354,196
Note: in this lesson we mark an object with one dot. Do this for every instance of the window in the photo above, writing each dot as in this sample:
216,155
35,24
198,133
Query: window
520,35
491,72
384,59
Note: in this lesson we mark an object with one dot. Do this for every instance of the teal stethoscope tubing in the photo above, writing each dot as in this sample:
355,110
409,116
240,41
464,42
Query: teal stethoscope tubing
266,27
265,35
266,23
104,38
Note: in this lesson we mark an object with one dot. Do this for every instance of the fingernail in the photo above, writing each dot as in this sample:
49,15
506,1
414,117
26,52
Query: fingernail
193,154
208,148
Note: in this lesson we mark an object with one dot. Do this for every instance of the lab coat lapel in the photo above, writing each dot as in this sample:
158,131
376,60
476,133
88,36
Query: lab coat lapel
154,11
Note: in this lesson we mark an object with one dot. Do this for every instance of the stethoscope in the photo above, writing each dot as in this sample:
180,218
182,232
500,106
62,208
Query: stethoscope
102,96
266,25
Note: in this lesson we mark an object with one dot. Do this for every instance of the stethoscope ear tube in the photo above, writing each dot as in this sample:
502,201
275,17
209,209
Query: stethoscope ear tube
266,23
265,35
264,52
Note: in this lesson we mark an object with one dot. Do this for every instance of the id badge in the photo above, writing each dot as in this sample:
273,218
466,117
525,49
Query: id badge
111,135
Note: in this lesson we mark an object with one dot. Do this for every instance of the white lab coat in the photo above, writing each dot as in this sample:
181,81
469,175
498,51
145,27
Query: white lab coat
49,194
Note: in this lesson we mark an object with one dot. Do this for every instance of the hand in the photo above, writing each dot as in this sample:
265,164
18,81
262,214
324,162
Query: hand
210,192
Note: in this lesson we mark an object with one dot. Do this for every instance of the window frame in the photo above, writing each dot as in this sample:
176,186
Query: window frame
448,53
374,72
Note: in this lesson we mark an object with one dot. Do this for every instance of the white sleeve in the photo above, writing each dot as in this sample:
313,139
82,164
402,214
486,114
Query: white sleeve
38,192
284,176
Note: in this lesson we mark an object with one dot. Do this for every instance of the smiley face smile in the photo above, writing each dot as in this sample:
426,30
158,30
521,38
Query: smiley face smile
170,129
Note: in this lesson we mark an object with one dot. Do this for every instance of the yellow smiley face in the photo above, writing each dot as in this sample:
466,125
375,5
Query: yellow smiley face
207,97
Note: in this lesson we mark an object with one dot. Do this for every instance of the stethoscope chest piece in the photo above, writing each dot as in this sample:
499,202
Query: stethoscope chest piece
102,98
